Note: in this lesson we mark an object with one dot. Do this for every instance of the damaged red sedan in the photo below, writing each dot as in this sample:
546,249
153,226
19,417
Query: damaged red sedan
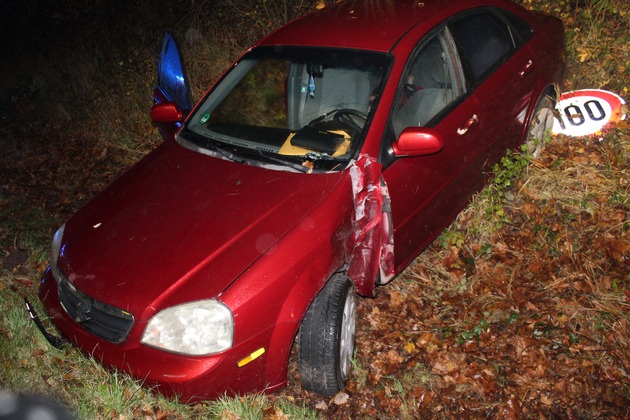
314,170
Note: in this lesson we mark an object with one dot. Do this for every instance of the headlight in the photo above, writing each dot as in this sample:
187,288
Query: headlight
196,328
55,250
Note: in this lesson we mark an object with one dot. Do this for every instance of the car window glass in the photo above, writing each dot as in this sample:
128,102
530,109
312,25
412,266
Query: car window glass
522,31
484,42
430,85
259,99
292,104
171,77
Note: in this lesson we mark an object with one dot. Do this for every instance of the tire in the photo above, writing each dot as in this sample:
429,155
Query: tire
540,126
327,338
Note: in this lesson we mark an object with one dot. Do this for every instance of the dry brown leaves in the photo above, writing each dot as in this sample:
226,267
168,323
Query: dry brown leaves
536,327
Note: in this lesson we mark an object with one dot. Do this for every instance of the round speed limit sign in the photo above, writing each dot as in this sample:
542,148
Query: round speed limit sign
588,111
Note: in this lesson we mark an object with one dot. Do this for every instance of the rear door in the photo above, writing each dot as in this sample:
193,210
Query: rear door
500,69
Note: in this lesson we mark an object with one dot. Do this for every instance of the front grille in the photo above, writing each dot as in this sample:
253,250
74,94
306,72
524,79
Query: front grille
104,321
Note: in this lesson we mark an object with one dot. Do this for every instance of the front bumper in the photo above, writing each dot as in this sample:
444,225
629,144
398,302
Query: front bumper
189,378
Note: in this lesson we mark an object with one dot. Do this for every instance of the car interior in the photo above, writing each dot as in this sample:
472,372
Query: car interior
428,89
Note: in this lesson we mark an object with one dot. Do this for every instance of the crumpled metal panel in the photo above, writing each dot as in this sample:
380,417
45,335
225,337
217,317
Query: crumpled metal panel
373,252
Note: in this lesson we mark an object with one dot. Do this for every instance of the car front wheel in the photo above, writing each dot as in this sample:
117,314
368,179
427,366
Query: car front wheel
327,337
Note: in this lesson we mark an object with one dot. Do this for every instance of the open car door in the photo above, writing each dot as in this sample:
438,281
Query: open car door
172,85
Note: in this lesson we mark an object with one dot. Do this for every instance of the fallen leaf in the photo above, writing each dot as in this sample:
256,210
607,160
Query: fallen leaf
321,405
444,365
341,398
279,415
509,410
617,250
396,299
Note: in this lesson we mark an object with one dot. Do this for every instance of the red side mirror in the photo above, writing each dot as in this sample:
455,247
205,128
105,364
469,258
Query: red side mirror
418,141
166,112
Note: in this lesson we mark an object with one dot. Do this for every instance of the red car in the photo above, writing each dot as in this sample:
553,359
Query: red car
315,169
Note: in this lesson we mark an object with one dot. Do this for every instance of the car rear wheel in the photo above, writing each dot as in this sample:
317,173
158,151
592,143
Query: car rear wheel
540,126
327,337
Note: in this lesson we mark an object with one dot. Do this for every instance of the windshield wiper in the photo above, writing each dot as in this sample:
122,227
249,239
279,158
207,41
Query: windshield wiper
319,156
225,153
202,142
287,163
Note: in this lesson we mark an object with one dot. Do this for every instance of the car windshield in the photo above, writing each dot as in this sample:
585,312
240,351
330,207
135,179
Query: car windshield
297,107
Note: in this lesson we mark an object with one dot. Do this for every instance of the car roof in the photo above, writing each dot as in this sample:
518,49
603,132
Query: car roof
360,24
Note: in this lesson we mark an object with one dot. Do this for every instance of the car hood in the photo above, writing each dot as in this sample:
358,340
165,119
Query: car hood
181,220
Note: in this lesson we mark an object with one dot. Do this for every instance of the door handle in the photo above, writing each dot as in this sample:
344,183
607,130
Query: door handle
526,68
471,122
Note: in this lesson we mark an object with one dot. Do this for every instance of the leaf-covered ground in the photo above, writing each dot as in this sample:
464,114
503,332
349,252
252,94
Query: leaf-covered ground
528,320
532,324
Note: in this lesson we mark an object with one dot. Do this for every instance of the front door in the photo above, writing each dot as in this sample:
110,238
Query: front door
172,84
428,191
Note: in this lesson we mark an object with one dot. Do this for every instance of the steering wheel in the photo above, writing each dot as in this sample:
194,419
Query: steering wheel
349,117
341,118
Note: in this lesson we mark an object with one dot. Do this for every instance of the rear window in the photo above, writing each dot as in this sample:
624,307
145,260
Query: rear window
521,29
484,41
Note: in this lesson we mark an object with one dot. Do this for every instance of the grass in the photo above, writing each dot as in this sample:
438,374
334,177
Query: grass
95,93
20,342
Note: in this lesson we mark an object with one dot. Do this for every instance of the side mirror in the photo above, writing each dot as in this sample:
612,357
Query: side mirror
418,141
166,112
